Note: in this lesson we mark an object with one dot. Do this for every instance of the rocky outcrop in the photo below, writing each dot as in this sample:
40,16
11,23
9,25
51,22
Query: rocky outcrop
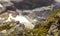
31,4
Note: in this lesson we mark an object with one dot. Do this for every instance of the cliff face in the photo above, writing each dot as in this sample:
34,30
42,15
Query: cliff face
38,1
31,4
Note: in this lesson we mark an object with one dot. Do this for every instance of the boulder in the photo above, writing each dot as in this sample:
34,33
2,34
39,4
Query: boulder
2,8
6,3
31,4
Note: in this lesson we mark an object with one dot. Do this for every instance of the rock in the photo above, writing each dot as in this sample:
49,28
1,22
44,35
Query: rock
4,32
31,4
12,8
16,0
57,0
6,3
2,8
57,16
26,22
1,34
